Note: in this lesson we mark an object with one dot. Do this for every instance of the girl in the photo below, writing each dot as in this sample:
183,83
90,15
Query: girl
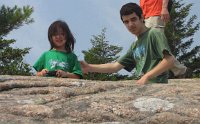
60,58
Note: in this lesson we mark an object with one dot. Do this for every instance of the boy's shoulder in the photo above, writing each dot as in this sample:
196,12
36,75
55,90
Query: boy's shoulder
154,31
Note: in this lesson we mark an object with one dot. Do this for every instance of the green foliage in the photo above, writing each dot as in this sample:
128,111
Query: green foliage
101,53
11,59
180,32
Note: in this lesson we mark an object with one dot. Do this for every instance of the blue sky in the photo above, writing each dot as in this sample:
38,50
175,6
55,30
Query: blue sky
84,17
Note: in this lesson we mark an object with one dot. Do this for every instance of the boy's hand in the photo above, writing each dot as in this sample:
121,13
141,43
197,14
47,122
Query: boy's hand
84,67
143,80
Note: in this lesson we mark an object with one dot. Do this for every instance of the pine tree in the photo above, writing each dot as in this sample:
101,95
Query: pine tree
180,31
11,59
101,53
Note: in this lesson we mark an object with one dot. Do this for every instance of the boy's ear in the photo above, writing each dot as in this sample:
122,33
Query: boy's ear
142,18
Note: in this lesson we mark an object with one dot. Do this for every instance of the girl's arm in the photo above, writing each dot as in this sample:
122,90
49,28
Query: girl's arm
42,73
61,73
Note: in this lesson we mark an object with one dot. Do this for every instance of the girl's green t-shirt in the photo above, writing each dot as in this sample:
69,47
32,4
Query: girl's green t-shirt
53,60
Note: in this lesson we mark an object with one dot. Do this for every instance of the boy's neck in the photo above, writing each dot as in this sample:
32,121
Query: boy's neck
144,29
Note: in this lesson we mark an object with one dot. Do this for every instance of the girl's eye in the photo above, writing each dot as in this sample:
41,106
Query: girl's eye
58,34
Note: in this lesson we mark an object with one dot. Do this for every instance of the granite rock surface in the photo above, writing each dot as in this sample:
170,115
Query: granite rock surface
42,100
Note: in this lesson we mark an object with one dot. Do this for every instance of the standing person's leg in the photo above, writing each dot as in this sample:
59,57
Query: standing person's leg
156,22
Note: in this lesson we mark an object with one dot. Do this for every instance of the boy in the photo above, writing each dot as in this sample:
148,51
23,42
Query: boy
150,54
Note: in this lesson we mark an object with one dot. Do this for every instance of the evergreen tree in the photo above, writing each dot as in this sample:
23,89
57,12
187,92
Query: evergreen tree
11,59
101,53
179,32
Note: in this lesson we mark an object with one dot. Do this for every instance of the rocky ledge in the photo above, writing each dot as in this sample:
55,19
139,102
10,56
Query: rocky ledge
42,100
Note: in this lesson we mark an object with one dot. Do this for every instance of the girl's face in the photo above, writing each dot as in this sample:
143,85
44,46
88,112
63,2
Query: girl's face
59,40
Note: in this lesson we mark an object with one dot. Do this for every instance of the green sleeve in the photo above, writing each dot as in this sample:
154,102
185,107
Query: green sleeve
127,60
40,63
77,68
160,43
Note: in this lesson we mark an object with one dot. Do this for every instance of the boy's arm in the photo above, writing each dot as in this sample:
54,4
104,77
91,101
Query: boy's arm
101,68
164,65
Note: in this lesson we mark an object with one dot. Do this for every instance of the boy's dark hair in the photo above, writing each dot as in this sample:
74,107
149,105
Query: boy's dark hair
129,8
53,30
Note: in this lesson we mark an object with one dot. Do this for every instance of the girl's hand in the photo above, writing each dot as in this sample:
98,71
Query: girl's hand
42,73
61,73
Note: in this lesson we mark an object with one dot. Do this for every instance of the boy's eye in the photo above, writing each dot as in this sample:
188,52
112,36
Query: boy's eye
125,22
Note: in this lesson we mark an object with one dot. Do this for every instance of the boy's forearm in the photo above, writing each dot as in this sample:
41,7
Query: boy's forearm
100,68
105,68
163,66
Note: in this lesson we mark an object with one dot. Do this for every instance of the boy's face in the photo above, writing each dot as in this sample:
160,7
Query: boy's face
59,39
133,23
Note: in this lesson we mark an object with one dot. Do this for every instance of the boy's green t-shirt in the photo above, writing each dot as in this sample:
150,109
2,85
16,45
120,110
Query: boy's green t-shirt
56,60
146,53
